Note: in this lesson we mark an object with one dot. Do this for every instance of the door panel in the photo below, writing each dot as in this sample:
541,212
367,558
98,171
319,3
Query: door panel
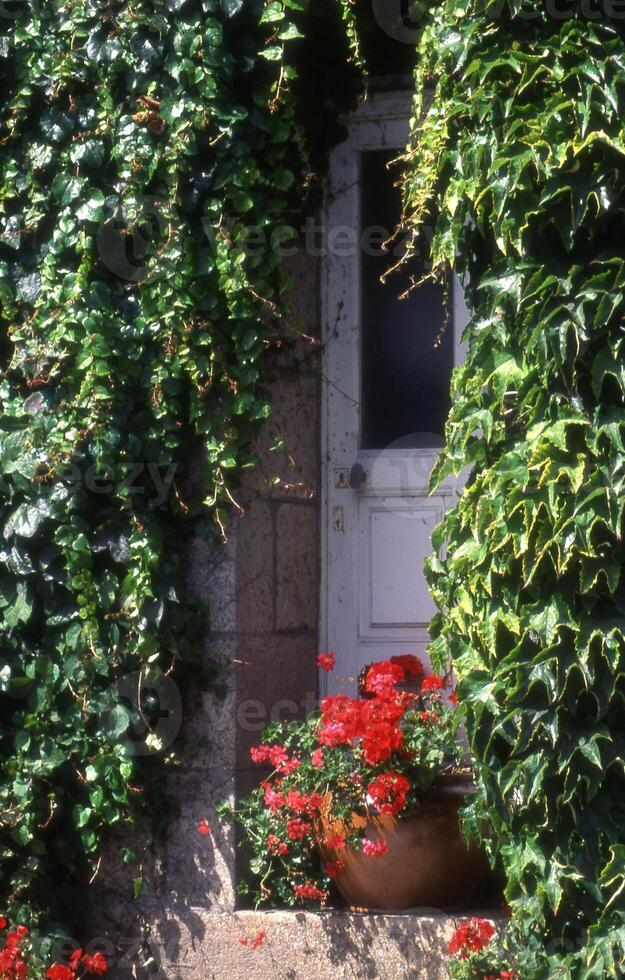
394,533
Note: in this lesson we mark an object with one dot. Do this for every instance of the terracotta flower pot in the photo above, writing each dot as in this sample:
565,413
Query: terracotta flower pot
427,863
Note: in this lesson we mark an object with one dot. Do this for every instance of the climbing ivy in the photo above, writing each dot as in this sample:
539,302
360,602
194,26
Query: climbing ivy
519,157
140,141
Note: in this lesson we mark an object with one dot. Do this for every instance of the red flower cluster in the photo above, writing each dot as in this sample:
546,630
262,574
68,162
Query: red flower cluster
429,717
276,755
341,720
317,758
502,975
389,791
203,828
60,972
374,848
276,846
310,891
470,937
297,828
79,960
382,678
286,768
335,841
376,718
335,868
326,661
256,942
95,964
376,722
12,966
432,683
301,803
273,798
382,734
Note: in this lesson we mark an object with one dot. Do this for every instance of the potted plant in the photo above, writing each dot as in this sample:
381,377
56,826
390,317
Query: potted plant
477,955
364,794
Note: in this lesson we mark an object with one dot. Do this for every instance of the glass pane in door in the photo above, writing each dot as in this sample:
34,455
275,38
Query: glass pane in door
407,356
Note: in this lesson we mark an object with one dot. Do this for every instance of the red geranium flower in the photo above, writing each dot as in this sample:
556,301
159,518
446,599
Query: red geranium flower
341,720
470,937
95,964
274,754
432,683
203,828
287,768
257,941
335,868
58,971
335,841
326,661
382,678
310,891
317,758
273,799
301,803
374,848
389,792
297,828
382,733
276,846
3,922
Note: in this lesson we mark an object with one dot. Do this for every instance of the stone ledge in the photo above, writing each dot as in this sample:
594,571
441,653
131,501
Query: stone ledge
197,944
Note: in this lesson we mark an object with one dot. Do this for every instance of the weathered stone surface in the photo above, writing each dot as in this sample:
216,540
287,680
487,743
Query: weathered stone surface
303,295
295,420
304,946
211,576
276,679
207,738
297,567
255,563
200,869
188,942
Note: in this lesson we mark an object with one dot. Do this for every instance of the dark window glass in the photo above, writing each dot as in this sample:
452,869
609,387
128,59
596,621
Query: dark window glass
407,356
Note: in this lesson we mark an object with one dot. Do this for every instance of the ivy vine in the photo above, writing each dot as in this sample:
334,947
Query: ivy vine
140,140
519,157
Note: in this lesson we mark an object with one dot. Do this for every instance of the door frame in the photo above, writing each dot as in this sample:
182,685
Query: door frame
383,120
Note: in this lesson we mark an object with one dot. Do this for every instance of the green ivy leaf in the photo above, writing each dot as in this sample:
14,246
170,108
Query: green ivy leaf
231,7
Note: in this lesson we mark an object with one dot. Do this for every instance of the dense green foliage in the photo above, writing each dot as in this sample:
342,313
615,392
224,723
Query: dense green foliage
520,156
138,141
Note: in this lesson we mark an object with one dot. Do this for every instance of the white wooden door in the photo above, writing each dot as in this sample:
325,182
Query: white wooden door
385,383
